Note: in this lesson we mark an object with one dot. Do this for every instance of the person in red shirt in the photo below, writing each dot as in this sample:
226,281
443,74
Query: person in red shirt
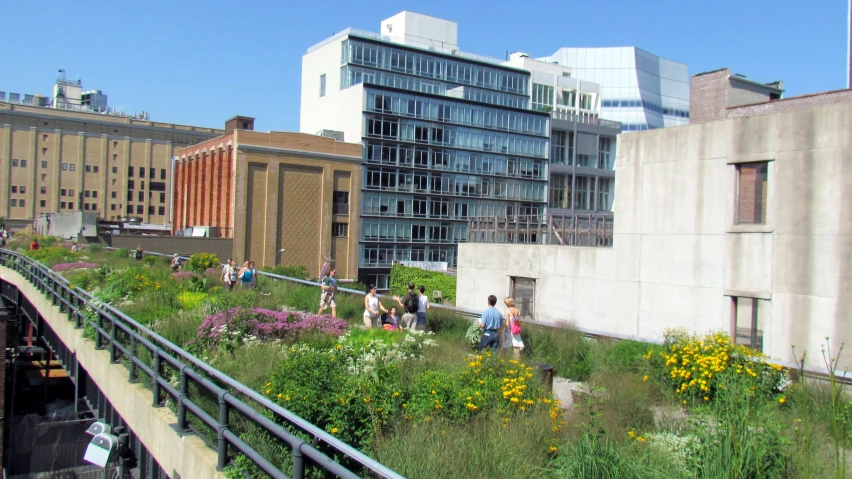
34,245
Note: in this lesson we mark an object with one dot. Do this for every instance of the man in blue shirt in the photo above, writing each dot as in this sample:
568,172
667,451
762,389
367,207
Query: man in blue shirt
490,323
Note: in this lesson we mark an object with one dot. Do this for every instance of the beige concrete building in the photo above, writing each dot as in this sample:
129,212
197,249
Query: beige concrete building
57,161
273,191
738,224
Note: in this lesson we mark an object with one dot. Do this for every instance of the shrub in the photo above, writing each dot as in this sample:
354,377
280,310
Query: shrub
243,325
432,280
191,299
76,265
692,365
298,272
122,252
151,260
563,348
52,255
95,248
200,262
123,285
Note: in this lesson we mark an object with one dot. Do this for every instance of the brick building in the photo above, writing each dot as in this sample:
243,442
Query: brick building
273,191
58,161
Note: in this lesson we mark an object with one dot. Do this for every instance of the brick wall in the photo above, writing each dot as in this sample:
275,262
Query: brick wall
804,102
708,96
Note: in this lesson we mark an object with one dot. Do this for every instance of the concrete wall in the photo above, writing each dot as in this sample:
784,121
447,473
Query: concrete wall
183,245
180,456
678,258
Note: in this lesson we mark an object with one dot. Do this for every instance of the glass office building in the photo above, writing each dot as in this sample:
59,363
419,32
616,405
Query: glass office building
637,88
446,135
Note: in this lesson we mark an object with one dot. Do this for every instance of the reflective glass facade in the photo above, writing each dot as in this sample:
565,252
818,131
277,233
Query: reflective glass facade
445,138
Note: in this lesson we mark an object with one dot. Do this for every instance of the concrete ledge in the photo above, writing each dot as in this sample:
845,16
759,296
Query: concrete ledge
750,229
748,294
187,457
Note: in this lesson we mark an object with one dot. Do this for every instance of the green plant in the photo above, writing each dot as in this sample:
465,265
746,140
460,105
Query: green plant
565,349
298,272
94,248
200,262
122,253
432,280
51,255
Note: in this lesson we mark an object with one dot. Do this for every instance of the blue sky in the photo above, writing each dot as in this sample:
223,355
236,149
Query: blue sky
200,63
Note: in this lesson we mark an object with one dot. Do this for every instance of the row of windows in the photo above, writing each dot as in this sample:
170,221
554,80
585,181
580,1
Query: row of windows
634,126
433,66
353,75
381,255
646,105
94,168
452,184
455,136
562,150
401,206
152,172
454,160
407,232
543,98
589,193
141,196
19,189
459,113
154,185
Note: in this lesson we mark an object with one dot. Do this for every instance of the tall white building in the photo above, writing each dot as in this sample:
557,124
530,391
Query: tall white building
637,88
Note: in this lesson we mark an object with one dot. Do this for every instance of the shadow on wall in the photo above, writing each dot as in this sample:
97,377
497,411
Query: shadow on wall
183,245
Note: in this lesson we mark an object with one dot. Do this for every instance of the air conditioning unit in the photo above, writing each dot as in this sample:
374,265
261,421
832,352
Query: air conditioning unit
337,135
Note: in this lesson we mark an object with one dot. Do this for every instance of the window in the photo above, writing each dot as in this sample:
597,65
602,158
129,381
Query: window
130,209
87,194
14,202
130,184
20,203
112,207
43,164
24,165
162,197
44,177
322,85
14,189
14,162
161,210
156,186
115,169
64,166
42,203
339,230
113,194
114,157
341,202
141,196
70,192
130,172
88,168
751,193
604,188
22,189
129,196
43,137
86,207
140,209
141,172
95,169
62,192
746,322
43,190
150,210
72,166
162,173
605,156
523,291
141,185
94,194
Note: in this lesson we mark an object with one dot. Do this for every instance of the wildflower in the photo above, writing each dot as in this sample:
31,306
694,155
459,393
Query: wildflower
553,449
645,378
782,400
631,434
334,430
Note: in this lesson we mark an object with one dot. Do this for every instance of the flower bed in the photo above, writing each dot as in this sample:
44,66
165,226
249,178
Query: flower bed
76,265
247,325
180,275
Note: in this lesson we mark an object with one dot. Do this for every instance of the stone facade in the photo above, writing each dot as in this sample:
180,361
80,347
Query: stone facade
269,191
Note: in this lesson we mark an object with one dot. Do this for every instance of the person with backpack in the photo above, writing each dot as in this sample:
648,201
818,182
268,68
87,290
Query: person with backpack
410,303
247,276
329,287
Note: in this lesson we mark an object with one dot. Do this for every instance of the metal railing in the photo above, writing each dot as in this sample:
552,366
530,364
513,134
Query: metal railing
586,120
125,339
546,229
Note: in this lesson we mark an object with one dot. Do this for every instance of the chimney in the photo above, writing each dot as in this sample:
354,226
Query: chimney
239,123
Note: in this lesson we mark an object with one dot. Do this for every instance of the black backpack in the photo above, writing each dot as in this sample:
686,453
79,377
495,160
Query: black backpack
412,303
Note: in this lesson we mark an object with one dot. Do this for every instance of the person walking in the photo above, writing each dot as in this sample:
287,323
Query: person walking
423,305
253,270
229,275
175,263
490,323
138,253
372,307
246,275
329,287
512,329
409,303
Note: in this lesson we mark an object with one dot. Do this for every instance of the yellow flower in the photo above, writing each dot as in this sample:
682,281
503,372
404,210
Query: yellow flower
645,378
334,430
280,395
782,400
631,434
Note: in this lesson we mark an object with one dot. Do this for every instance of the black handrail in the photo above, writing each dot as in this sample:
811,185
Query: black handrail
109,321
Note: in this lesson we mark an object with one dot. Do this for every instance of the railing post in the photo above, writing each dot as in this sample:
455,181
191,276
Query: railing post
155,386
223,426
100,325
183,393
113,351
298,462
132,364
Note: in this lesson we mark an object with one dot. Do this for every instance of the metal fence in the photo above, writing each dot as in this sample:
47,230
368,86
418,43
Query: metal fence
151,357
546,229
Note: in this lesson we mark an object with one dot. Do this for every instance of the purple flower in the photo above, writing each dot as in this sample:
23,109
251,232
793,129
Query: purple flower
182,275
76,265
212,271
265,325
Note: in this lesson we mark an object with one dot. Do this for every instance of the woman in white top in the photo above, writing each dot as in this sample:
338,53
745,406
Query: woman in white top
512,316
372,307
423,305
